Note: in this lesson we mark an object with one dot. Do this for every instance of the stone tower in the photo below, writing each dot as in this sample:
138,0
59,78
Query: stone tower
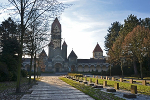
64,50
55,43
72,61
97,52
50,50
56,34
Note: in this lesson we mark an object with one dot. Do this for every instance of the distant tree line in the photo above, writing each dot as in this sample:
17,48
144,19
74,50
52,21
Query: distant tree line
128,47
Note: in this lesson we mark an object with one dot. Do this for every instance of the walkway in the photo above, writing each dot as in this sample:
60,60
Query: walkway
52,88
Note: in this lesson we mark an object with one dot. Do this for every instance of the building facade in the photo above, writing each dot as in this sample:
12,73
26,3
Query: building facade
57,60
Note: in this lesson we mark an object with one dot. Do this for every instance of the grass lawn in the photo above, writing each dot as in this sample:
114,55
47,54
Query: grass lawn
146,78
126,86
94,93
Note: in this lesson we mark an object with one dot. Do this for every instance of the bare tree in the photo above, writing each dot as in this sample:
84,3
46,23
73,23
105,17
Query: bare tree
23,10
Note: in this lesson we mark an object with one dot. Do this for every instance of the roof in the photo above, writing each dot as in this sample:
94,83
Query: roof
72,54
26,59
50,44
43,53
64,43
97,48
56,22
91,60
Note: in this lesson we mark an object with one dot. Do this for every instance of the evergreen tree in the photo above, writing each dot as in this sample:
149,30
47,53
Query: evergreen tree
113,33
146,22
9,47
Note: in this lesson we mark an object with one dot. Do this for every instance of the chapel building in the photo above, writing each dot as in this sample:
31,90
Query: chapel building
57,60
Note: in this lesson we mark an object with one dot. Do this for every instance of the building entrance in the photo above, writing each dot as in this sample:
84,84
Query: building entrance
58,67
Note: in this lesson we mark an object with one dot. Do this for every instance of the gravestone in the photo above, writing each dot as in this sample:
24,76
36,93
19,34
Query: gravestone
111,90
77,78
85,79
104,83
116,86
101,77
129,95
133,89
113,79
90,80
143,82
121,80
93,76
85,82
96,81
106,78
131,81
97,86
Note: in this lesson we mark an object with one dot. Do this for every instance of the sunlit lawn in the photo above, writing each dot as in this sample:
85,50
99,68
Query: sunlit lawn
146,78
126,86
94,93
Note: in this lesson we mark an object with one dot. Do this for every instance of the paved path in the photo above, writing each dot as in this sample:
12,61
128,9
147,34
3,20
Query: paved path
52,88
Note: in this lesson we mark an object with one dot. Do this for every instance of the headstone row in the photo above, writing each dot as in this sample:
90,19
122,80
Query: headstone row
96,85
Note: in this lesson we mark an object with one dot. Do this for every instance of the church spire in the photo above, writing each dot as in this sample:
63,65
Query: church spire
64,43
97,48
56,22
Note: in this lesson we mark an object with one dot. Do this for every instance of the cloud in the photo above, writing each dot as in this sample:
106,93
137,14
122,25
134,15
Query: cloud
83,30
86,23
67,1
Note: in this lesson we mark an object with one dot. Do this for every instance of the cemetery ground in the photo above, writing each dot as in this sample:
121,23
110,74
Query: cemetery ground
7,89
111,87
94,93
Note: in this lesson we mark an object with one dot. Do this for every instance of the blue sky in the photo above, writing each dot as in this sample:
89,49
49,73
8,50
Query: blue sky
86,22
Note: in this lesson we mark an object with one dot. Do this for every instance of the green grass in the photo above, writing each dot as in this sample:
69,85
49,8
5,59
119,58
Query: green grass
126,86
94,93
146,78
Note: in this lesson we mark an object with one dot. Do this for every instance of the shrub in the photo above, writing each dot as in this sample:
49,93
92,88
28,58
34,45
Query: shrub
14,78
75,74
24,73
10,76
3,72
3,76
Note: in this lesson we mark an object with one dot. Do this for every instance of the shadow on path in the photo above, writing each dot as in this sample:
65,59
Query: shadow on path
54,74
52,88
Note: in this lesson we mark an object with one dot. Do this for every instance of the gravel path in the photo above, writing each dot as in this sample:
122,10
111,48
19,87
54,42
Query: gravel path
52,88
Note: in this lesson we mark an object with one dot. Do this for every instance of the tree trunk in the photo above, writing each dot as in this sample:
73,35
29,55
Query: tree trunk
37,73
38,69
135,67
30,67
110,70
141,70
148,63
31,59
34,65
18,75
21,47
122,67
